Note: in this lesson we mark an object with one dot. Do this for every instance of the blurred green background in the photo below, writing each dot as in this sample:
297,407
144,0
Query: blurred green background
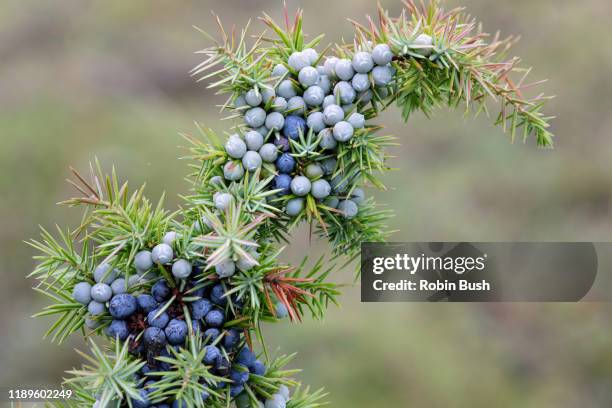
110,78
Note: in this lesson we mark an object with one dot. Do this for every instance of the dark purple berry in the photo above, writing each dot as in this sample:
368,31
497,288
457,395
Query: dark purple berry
176,331
160,290
282,143
160,321
217,295
285,163
146,303
122,306
294,125
200,308
154,337
211,356
215,318
231,339
118,329
282,182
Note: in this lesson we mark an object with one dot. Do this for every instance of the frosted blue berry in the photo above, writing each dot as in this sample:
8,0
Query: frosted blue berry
82,293
329,165
211,356
255,117
91,323
267,94
279,70
275,121
279,104
122,306
348,209
382,54
118,329
277,401
253,97
243,401
222,200
314,96
245,264
216,181
254,140
294,207
286,89
169,237
118,286
311,55
328,101
160,291
315,122
324,83
251,161
382,92
333,114
176,331
344,69
240,101
344,92
181,269
281,310
96,308
262,130
339,184
296,105
146,303
327,141
363,62
358,196
104,274
331,202
282,182
357,120
423,44
225,269
235,147
308,76
154,337
361,82
343,131
330,66
200,308
162,254
300,186
365,96
101,292
283,390
382,76
348,108
298,60
320,189
215,318
294,125
143,261
313,171
282,144
233,171
268,153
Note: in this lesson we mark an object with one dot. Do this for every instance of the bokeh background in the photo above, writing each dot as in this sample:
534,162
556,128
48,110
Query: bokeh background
110,79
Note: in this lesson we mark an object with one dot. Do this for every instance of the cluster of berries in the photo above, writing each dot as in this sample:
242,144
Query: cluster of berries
320,100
